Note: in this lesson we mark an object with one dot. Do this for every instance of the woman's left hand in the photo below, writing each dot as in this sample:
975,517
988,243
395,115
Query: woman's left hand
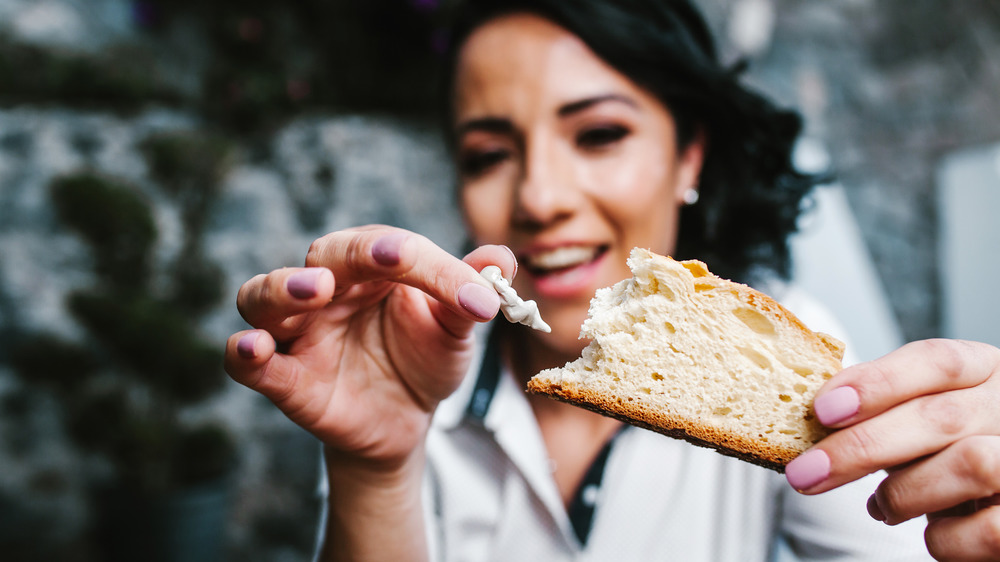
928,413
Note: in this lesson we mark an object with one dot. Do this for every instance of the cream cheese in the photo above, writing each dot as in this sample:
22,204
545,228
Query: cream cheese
514,308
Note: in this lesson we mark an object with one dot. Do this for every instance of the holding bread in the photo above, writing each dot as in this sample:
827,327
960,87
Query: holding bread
582,130
680,351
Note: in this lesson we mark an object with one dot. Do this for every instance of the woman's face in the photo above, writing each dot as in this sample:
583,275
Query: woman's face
566,161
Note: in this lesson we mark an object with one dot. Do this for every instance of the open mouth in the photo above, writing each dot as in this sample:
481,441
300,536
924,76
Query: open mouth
561,259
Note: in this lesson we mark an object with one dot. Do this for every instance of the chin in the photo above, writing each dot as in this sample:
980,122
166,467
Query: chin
565,336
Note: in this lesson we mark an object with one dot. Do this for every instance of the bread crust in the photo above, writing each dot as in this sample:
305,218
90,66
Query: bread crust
634,413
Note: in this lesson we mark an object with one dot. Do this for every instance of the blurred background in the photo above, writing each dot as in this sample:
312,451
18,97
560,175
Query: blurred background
156,154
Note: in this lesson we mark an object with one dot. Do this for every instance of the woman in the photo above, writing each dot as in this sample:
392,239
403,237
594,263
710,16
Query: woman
580,133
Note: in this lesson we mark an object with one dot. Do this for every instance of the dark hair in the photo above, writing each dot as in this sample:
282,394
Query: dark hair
751,194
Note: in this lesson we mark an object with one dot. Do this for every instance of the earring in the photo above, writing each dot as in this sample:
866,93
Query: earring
691,196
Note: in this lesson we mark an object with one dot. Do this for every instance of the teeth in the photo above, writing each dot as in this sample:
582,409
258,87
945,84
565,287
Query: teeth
565,256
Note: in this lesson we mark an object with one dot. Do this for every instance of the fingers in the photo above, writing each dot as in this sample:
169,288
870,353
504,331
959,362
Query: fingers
269,301
251,360
972,537
384,253
967,471
909,404
500,256
916,369
923,426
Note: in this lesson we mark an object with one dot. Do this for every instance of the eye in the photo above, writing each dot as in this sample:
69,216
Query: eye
477,162
598,137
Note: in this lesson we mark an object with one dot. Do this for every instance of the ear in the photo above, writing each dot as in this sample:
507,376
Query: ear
689,163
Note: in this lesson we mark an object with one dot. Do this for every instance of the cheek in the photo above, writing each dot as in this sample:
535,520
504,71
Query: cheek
639,196
486,210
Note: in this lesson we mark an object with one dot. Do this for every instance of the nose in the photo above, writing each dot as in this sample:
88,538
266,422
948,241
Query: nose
546,193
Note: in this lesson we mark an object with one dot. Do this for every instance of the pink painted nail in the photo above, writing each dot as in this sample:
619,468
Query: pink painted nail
245,345
837,405
808,469
479,300
386,249
302,284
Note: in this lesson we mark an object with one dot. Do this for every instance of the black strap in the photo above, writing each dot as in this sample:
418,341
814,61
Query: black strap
486,382
584,504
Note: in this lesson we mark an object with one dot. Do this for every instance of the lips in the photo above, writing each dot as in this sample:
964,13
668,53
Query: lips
563,257
564,271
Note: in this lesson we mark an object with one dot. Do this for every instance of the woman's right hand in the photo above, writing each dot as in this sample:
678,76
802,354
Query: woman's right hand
360,346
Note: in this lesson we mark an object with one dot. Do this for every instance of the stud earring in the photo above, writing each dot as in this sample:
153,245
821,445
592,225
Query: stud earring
691,196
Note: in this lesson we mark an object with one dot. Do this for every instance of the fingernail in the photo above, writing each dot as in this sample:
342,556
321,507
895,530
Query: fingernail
302,284
385,251
514,258
808,469
479,300
245,346
837,405
874,510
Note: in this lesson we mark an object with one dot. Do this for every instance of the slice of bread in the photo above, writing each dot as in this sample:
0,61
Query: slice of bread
683,352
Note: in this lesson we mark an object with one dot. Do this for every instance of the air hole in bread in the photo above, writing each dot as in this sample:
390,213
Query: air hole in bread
800,388
755,356
666,292
784,398
723,411
696,268
755,321
702,287
657,377
670,328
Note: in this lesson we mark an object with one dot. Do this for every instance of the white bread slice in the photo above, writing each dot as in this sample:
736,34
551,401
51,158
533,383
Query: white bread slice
683,352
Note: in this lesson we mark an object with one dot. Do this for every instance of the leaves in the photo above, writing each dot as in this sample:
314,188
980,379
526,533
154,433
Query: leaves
116,222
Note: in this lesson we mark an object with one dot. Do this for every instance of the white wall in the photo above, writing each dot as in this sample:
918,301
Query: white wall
832,263
969,222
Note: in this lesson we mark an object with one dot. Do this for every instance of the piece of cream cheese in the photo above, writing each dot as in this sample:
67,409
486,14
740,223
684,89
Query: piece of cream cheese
514,308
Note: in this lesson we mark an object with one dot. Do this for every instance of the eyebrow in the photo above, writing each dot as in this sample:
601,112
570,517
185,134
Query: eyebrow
574,107
487,124
503,125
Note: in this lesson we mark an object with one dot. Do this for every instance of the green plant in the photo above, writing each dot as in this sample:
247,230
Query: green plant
124,387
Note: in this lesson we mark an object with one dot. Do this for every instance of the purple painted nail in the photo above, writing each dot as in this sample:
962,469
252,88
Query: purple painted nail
386,249
837,405
245,346
808,469
302,284
479,300
515,261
